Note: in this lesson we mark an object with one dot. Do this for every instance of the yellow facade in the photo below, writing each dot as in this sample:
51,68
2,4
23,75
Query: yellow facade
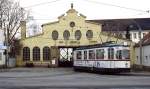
63,23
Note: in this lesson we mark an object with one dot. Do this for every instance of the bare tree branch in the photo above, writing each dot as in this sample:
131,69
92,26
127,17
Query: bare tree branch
10,16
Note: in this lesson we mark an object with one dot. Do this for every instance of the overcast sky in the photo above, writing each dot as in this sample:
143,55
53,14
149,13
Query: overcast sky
48,10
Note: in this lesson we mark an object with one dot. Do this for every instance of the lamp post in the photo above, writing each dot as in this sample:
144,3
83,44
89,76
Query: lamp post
140,43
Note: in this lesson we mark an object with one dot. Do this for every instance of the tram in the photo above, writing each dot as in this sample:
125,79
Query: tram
104,58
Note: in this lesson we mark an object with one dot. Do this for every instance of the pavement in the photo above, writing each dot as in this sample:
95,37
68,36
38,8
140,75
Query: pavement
35,72
137,73
66,78
55,71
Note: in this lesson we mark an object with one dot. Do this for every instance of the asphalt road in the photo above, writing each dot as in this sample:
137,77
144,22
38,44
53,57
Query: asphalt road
66,78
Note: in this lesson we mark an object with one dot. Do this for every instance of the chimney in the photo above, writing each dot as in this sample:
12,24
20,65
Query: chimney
23,29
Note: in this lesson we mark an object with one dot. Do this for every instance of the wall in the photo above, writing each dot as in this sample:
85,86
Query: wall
145,55
136,40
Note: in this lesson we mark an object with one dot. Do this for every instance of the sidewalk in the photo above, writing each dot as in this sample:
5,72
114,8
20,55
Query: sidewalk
4,69
35,69
35,72
66,70
140,73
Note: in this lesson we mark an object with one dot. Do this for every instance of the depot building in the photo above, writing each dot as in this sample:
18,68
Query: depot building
58,39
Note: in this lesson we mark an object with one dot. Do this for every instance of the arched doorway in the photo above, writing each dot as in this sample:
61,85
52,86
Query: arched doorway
65,57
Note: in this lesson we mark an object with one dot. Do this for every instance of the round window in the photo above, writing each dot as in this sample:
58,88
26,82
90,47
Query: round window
55,35
78,35
66,35
89,34
72,24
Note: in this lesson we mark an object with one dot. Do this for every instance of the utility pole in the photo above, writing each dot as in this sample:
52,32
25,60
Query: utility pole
140,43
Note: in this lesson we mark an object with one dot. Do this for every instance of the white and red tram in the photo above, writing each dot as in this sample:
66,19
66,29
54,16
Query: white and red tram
104,58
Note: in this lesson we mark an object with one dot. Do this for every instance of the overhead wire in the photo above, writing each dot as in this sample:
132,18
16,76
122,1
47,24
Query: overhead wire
113,5
43,3
91,1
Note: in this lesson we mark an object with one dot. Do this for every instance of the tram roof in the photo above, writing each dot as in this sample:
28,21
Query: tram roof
107,44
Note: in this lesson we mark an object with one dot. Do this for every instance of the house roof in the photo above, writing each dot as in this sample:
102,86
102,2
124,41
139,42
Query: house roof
145,40
124,24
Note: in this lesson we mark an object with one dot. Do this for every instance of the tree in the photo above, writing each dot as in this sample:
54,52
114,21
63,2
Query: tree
10,16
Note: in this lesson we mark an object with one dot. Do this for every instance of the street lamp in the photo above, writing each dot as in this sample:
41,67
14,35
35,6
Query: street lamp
140,42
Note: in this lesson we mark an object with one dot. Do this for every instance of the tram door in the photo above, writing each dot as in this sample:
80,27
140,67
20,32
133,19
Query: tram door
66,57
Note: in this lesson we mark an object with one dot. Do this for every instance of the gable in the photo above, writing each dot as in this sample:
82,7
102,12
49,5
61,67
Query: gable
71,21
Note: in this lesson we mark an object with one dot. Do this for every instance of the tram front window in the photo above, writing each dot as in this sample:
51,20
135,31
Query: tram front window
125,54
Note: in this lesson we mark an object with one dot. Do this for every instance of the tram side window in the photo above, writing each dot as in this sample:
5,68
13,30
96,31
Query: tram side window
110,53
91,54
123,54
79,55
100,54
119,54
85,54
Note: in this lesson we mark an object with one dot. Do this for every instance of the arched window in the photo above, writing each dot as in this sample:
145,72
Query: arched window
55,35
46,53
78,35
26,54
66,35
36,54
89,34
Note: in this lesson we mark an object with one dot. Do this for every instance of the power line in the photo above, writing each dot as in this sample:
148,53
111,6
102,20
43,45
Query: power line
43,3
55,18
107,4
91,1
96,2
